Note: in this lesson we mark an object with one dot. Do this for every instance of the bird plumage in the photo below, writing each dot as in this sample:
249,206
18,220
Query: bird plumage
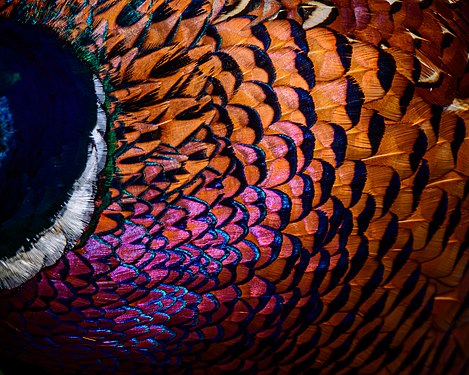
285,191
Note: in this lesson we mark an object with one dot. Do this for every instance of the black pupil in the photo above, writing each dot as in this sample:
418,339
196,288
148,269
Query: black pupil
47,112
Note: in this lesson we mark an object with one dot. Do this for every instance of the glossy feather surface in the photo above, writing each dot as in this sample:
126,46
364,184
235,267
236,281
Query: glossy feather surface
286,191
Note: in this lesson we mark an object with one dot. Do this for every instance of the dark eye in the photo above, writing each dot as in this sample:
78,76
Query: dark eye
51,148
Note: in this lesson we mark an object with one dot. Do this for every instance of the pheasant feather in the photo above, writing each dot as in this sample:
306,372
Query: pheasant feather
255,187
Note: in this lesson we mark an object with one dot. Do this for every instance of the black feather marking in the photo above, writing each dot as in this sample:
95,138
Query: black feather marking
415,353
417,70
407,288
415,303
375,310
259,163
305,351
358,182
194,9
163,12
386,69
395,7
225,119
307,196
424,4
321,269
338,302
250,6
370,286
376,131
254,121
307,146
417,41
344,50
383,43
264,62
383,345
342,327
420,181
313,308
298,262
190,113
119,49
260,32
230,65
389,237
419,149
424,314
218,90
306,10
392,191
212,32
358,260
136,103
290,155
236,169
406,98
216,183
459,135
335,220
337,353
284,214
345,229
170,66
338,272
327,181
355,99
447,40
454,220
339,145
270,99
463,248
449,365
465,368
390,356
305,68
105,6
364,343
440,349
367,214
150,136
401,258
129,15
321,232
260,203
306,106
299,36
438,216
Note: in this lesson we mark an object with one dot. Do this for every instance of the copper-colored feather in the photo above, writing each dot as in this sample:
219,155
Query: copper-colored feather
289,193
